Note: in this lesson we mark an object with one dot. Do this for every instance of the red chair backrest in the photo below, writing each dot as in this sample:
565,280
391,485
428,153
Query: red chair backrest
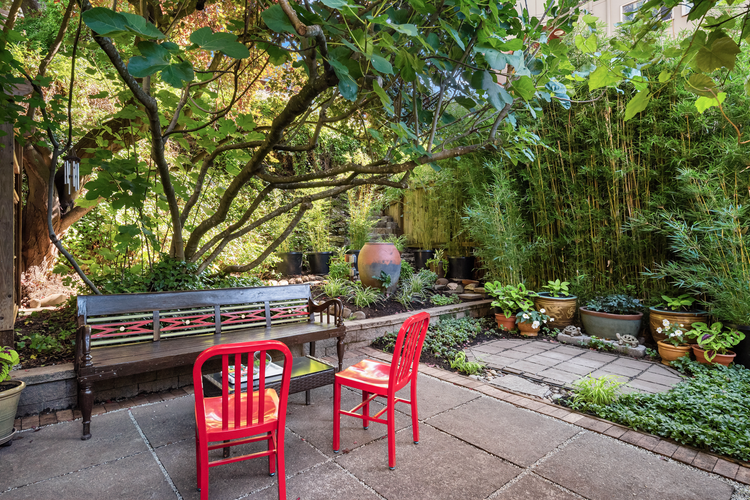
240,351
408,349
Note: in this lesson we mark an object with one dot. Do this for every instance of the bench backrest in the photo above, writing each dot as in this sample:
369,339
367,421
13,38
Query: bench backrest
138,317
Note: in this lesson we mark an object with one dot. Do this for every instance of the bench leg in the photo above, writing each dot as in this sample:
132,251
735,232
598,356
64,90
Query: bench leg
312,348
86,404
340,352
307,398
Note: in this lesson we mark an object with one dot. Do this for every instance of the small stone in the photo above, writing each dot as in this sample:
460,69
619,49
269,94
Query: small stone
439,287
441,281
34,303
347,313
305,278
475,377
470,287
273,282
359,315
283,282
53,300
453,286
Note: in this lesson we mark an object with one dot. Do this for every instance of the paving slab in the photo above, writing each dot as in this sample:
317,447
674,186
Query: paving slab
528,367
520,384
440,466
569,350
560,375
597,356
556,354
542,360
606,469
622,370
647,386
494,346
659,378
57,449
433,396
531,487
231,481
167,422
315,422
322,482
519,436
632,363
138,475
497,361
513,353
573,368
531,348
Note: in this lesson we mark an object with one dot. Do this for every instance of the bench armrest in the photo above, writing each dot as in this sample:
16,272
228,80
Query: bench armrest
321,307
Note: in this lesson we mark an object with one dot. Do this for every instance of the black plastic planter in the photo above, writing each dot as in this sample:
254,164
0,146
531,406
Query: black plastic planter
291,263
421,257
460,268
319,262
743,348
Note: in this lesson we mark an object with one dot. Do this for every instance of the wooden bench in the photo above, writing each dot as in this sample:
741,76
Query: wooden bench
127,334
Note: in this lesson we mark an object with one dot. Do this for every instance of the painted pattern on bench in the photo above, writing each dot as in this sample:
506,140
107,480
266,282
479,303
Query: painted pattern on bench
138,327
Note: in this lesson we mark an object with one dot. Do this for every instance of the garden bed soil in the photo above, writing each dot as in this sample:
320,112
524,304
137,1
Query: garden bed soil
52,334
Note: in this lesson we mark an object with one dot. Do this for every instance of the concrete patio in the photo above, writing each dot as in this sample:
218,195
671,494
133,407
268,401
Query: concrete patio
477,441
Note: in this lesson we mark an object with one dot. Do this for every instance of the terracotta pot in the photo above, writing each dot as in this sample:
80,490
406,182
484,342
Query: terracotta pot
607,326
527,330
720,359
505,323
563,309
669,352
375,258
10,393
657,316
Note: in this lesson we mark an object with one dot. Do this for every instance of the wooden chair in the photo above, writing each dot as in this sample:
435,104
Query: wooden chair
375,379
239,417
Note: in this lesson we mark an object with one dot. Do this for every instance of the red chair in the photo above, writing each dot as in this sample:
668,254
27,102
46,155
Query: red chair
224,419
375,379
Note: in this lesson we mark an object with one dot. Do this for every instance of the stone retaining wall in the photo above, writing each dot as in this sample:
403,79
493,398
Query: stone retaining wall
55,387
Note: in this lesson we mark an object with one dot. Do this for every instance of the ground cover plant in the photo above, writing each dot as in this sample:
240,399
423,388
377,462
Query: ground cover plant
709,410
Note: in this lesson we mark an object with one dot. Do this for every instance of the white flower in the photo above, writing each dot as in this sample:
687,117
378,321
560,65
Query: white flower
542,311
678,332
552,319
659,330
665,322
544,321
682,326
535,324
525,316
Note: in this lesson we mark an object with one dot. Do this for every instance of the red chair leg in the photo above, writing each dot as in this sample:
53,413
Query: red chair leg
197,461
272,445
336,415
414,412
280,464
203,479
391,435
365,410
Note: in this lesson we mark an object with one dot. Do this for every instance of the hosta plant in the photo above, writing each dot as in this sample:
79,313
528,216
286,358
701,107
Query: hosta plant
715,339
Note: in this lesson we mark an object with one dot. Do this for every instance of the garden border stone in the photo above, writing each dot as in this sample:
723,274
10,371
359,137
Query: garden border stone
584,340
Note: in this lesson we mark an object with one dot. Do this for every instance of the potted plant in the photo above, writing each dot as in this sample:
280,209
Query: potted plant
291,259
10,393
529,322
379,265
509,299
606,316
438,264
674,345
677,310
713,343
558,301
319,235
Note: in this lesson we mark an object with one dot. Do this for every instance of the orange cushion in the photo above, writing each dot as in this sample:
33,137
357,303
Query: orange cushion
213,409
367,371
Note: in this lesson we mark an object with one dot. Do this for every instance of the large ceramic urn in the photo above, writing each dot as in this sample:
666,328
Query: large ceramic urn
377,257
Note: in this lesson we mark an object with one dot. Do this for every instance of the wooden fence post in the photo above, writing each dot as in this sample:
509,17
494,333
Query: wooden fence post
7,223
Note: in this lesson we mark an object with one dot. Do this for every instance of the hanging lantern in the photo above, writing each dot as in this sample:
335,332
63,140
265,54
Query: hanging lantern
71,164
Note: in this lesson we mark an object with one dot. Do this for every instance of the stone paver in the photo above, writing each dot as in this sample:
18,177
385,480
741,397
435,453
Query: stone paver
519,384
533,487
511,439
564,364
601,463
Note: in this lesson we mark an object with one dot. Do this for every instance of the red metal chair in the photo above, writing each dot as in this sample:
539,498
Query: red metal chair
375,379
224,419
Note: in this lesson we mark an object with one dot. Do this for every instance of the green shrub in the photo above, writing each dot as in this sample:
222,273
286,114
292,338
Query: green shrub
338,267
596,391
460,363
363,296
444,300
335,287
445,339
709,410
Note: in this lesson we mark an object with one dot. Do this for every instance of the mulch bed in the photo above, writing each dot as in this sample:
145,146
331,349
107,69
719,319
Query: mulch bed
52,331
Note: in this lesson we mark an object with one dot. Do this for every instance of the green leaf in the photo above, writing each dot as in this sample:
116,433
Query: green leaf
219,42
723,54
276,55
603,77
496,59
384,98
497,95
139,26
466,102
155,58
406,29
524,87
347,85
703,103
277,20
586,45
512,45
664,76
381,64
747,85
173,48
175,74
375,134
637,104
701,84
453,33
335,4
105,22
